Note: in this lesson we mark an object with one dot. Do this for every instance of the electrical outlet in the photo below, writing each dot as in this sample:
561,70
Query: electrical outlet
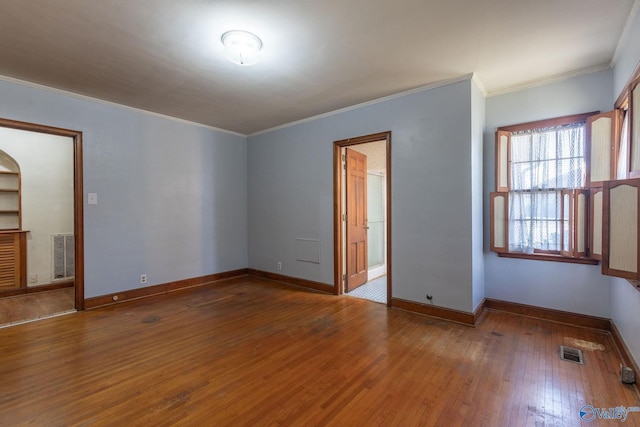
279,265
33,278
430,297
143,278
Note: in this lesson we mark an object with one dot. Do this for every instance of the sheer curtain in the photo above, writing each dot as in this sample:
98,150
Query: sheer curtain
543,163
623,155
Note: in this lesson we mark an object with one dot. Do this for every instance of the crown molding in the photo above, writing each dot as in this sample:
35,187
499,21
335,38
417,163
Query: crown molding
622,41
113,104
368,103
548,80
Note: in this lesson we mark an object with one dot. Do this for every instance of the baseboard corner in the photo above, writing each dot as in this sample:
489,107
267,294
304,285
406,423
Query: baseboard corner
295,281
443,313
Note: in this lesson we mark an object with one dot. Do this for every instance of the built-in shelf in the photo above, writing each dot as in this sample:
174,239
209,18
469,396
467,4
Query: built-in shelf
10,200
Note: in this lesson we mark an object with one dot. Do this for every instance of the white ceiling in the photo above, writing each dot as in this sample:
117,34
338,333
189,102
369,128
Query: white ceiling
165,56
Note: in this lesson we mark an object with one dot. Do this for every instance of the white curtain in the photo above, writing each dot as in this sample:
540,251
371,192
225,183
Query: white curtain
623,155
543,163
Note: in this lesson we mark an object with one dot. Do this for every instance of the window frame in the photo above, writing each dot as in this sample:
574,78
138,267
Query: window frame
572,256
625,103
634,133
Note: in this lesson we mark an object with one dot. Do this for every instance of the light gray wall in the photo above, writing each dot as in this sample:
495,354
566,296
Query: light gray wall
291,192
172,199
569,287
477,127
625,312
628,58
625,301
625,306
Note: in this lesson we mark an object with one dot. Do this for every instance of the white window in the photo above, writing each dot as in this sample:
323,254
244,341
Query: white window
540,207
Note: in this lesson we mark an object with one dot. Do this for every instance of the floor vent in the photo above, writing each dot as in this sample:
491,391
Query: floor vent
571,354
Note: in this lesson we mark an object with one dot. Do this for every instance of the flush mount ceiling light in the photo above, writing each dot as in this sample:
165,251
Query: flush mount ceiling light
241,47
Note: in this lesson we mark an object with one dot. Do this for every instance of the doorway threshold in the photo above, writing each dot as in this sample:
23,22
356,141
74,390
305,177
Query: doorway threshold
374,290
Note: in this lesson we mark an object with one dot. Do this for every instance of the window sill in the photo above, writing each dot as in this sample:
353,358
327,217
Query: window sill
548,257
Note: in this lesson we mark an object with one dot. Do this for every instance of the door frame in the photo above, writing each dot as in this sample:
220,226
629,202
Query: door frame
78,212
338,227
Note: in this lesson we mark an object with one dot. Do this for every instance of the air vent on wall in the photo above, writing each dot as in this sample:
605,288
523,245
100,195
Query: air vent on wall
63,258
571,355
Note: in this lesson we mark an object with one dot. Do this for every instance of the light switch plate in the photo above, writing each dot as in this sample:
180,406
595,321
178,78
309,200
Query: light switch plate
92,198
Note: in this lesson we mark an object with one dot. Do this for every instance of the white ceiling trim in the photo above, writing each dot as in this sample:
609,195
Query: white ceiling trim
113,104
472,76
479,83
625,32
369,103
548,80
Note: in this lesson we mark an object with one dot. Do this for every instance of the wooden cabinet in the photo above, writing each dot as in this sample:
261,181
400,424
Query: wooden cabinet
13,259
620,226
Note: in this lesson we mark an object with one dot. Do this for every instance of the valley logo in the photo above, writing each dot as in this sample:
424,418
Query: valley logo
588,413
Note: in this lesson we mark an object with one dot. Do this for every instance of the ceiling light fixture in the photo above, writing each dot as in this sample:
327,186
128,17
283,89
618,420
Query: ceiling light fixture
241,47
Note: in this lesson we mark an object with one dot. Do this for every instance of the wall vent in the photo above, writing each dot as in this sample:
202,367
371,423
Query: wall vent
63,257
571,355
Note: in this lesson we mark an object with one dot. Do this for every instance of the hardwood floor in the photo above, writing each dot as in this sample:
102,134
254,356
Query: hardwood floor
249,351
22,308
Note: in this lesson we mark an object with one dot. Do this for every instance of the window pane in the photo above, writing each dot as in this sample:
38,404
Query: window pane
520,148
571,173
543,162
545,174
521,176
534,220
544,145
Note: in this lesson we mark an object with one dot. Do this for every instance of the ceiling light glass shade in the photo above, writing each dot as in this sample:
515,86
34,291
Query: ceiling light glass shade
241,47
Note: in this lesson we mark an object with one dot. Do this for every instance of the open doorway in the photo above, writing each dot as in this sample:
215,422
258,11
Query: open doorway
42,192
362,217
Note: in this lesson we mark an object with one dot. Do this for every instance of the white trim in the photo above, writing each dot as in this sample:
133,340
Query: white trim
113,104
479,83
625,32
368,103
548,80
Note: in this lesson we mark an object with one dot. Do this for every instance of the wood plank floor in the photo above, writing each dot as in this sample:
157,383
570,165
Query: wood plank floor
22,308
250,352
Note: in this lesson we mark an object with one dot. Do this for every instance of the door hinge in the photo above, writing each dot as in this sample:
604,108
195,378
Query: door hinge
344,162
344,278
344,217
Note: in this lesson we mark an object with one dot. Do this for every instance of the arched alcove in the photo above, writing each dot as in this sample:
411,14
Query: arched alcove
10,197
8,163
